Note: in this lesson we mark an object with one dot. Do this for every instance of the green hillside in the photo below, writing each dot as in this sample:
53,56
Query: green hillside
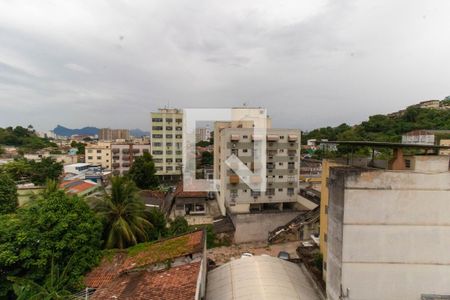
385,128
24,138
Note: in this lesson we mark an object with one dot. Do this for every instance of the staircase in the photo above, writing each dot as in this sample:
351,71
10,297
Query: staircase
294,224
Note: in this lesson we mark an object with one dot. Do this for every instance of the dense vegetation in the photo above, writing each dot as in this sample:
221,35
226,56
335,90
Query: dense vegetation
8,194
24,138
38,172
54,227
385,128
143,172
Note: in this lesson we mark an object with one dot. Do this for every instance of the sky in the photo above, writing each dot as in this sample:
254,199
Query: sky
311,63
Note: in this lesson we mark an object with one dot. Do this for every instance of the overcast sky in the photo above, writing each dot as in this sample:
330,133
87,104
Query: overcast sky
311,63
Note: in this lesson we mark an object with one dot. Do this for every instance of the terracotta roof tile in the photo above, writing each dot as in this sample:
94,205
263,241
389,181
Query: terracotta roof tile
173,284
142,255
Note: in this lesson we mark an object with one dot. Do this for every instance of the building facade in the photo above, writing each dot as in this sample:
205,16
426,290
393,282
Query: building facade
123,156
107,134
202,134
99,154
388,231
167,142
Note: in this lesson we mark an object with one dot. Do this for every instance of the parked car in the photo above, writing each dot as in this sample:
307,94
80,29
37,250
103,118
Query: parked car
283,255
246,254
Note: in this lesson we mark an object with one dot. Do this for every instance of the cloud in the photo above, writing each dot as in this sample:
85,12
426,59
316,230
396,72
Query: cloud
311,63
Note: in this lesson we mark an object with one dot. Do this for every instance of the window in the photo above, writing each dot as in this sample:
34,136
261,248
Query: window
90,151
290,191
169,152
157,128
179,120
157,120
281,176
255,193
178,128
325,237
280,163
326,209
270,192
281,137
245,137
235,152
178,160
291,165
157,144
179,136
99,157
169,120
169,168
107,160
169,128
408,163
157,152
178,152
233,193
245,150
99,151
169,144
158,160
157,136
280,190
169,136
169,160
90,157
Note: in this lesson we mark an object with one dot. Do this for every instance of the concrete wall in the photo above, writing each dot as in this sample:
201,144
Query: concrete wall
395,236
255,227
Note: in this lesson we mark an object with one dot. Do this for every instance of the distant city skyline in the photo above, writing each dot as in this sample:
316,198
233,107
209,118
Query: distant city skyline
310,63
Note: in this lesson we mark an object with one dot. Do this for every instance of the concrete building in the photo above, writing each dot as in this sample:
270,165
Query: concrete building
425,137
123,156
99,154
167,142
388,232
108,134
444,142
255,213
202,134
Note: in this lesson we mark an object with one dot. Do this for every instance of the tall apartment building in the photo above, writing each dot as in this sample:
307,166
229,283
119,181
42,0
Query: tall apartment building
107,134
99,154
202,134
255,213
385,233
123,156
167,142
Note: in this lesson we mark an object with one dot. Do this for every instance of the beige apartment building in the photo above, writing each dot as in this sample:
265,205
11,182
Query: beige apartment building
99,154
123,155
167,142
107,134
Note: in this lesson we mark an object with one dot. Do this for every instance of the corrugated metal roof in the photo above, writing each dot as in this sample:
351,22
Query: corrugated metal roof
259,277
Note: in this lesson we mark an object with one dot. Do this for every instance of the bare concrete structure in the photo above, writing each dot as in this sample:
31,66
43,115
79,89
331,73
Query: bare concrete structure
389,231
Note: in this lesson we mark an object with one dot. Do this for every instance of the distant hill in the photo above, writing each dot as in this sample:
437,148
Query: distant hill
64,131
389,128
139,133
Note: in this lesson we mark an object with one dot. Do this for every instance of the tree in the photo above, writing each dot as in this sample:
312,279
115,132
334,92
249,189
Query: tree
54,226
207,158
80,146
159,222
55,286
178,226
46,169
8,194
143,171
123,214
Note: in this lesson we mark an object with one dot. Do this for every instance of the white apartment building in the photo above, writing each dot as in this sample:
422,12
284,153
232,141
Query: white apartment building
167,142
123,156
99,154
389,231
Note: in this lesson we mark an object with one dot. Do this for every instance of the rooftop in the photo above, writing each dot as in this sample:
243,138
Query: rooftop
384,144
259,277
117,263
77,186
181,193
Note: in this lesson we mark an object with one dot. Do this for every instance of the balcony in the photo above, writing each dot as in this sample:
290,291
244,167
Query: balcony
115,165
234,179
125,151
272,138
292,138
136,151
292,152
125,165
235,138
115,151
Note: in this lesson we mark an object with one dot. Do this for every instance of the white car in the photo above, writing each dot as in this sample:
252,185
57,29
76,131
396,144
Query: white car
246,254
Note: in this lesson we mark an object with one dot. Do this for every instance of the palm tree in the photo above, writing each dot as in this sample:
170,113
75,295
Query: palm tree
55,286
124,215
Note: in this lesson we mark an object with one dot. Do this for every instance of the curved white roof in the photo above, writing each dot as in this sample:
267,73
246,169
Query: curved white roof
259,277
